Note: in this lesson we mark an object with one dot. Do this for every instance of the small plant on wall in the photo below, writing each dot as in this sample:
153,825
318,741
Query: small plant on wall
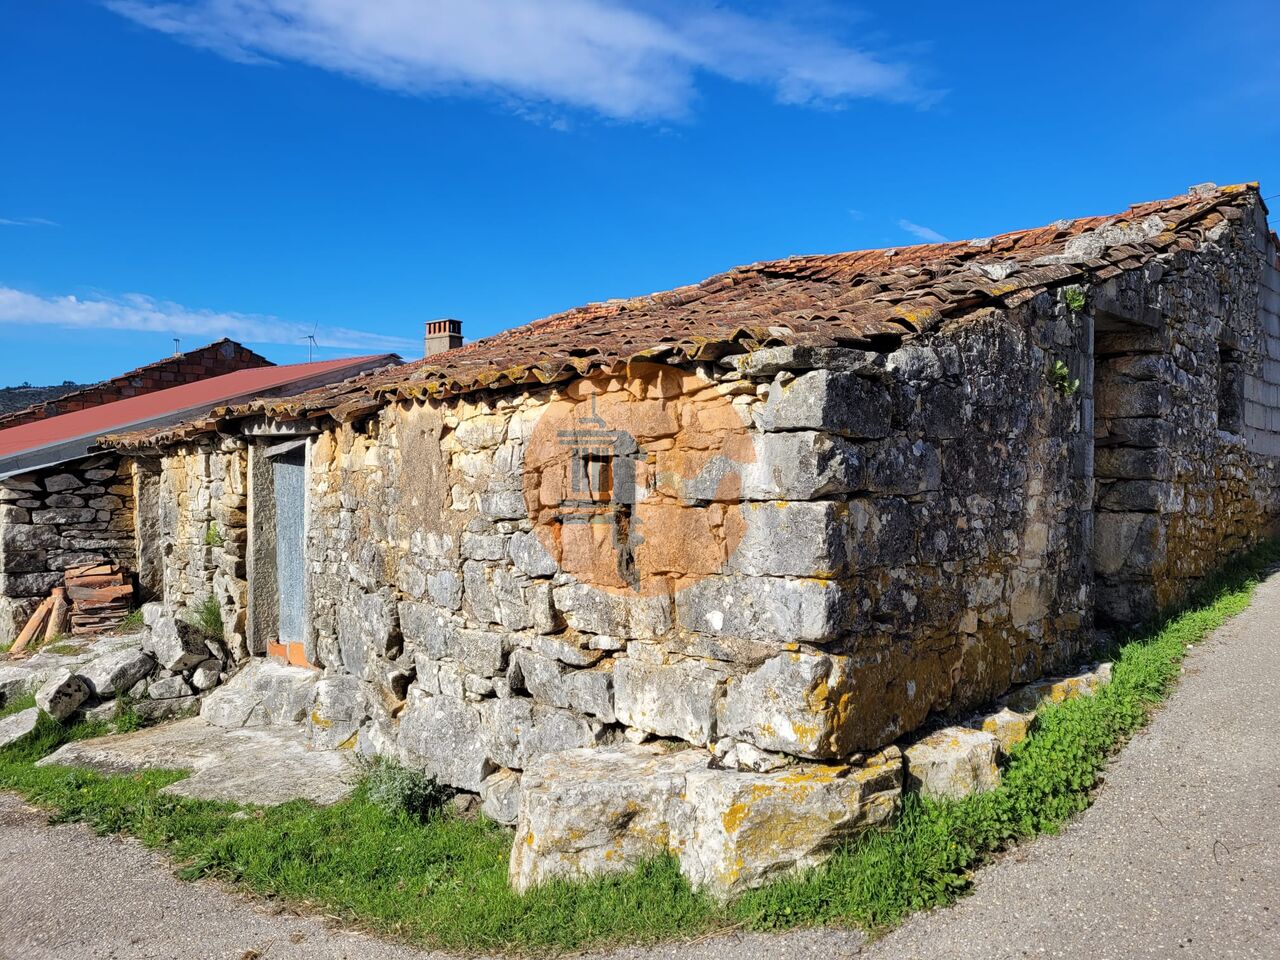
207,618
1061,379
1074,297
213,536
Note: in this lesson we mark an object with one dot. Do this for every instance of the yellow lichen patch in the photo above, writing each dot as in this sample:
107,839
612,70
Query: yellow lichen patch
350,742
814,775
733,817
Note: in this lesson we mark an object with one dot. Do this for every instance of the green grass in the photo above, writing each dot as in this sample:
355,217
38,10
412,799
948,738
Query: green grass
17,705
132,623
125,718
207,618
441,881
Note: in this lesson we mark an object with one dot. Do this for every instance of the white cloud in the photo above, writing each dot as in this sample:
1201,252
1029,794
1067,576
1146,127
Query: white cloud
136,312
625,59
26,222
927,234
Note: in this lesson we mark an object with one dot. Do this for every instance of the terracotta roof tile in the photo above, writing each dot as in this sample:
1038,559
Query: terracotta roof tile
867,298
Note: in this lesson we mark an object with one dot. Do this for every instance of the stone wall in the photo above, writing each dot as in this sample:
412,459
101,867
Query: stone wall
1188,418
892,535
69,515
737,581
828,545
198,513
869,539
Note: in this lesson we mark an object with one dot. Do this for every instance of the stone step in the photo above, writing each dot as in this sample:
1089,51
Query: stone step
265,693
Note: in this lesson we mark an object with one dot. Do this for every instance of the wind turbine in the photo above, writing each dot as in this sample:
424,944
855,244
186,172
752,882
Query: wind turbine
311,340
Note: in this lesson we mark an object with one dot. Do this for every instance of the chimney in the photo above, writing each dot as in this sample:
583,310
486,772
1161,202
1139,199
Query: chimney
442,335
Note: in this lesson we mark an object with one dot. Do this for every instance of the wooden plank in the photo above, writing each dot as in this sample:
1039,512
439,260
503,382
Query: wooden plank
34,626
59,615
92,570
112,580
105,594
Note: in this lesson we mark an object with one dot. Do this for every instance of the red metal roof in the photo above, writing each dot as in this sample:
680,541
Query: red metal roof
189,398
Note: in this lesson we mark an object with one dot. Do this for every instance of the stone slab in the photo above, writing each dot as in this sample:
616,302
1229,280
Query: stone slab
264,766
13,728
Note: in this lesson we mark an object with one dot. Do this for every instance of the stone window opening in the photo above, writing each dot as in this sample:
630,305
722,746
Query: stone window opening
593,476
1230,389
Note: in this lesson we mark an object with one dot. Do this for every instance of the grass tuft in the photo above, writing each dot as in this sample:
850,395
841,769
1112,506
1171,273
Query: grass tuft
17,704
207,618
132,623
374,861
126,718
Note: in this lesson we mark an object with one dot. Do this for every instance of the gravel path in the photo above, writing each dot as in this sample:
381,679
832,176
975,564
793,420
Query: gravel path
1179,856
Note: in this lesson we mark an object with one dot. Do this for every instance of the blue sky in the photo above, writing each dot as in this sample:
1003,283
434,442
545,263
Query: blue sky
263,168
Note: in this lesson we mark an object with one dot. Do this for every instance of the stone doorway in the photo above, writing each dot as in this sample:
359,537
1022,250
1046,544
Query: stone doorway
278,594
291,493
1132,470
151,526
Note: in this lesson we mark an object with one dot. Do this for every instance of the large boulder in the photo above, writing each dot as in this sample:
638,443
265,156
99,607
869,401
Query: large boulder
263,693
62,694
340,708
745,828
18,680
176,644
589,812
13,728
112,674
953,763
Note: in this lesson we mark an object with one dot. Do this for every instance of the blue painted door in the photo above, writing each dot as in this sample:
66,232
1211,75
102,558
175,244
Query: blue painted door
291,495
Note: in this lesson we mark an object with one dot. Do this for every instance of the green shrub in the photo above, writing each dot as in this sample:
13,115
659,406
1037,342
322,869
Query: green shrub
1074,298
213,536
397,789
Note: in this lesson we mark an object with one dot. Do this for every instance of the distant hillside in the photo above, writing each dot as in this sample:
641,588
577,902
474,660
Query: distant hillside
23,396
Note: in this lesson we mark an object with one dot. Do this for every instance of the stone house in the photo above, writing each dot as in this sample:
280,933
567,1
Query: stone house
212,360
65,501
787,515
